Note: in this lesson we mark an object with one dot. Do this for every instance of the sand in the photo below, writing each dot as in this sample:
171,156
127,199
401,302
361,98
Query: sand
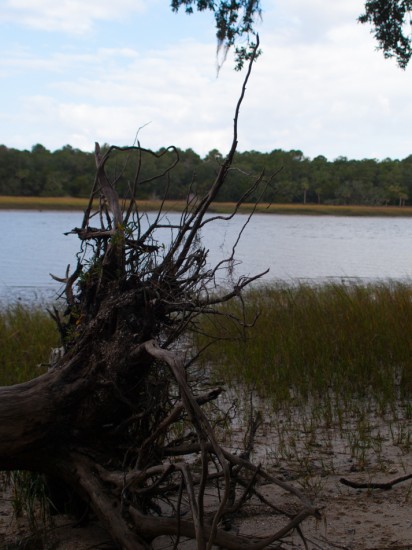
314,460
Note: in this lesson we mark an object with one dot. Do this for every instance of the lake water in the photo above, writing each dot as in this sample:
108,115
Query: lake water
293,247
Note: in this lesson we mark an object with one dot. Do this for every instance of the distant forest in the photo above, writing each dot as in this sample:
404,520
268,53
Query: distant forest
296,179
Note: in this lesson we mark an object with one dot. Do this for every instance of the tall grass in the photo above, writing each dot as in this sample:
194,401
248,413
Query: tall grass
352,340
349,341
27,335
76,203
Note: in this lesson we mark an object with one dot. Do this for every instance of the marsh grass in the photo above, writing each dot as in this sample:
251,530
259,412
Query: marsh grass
330,366
27,335
30,498
42,203
76,203
346,341
331,363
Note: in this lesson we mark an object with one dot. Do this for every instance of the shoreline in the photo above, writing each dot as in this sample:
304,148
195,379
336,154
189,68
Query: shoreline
79,204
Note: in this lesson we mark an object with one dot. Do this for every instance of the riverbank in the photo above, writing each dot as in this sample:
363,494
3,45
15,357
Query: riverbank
352,519
337,431
74,203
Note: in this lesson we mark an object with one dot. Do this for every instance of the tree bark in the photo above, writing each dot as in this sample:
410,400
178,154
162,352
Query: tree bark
120,416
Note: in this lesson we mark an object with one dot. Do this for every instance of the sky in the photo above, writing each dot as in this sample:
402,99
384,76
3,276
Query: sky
79,71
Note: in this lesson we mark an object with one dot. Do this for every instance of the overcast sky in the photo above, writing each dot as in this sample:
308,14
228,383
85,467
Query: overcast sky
79,71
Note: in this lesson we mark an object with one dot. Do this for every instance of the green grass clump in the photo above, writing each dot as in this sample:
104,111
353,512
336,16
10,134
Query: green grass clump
347,340
27,335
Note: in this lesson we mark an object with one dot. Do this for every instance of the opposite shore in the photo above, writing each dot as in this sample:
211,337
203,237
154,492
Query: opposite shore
74,203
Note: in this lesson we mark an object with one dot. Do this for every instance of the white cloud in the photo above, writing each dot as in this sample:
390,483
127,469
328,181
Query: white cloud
307,21
329,93
70,16
324,90
176,91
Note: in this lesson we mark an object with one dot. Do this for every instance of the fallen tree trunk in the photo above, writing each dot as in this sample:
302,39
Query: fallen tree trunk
119,418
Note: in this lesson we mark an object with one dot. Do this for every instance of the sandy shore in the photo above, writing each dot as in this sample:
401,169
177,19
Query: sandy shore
352,519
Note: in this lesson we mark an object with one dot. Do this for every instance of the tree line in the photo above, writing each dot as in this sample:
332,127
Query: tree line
293,177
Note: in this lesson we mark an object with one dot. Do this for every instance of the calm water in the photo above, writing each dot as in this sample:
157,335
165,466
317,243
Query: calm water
293,247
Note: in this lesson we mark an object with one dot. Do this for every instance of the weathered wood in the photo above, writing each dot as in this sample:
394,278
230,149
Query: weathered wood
34,415
118,416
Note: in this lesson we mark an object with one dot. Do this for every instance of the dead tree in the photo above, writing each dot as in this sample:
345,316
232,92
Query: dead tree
119,419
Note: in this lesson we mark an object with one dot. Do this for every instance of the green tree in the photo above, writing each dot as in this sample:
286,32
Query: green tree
398,194
391,20
321,180
234,20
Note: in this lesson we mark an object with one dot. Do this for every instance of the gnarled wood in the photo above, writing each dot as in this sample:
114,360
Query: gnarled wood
120,418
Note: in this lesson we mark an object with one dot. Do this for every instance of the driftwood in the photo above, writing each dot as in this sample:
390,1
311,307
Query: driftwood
385,486
119,418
